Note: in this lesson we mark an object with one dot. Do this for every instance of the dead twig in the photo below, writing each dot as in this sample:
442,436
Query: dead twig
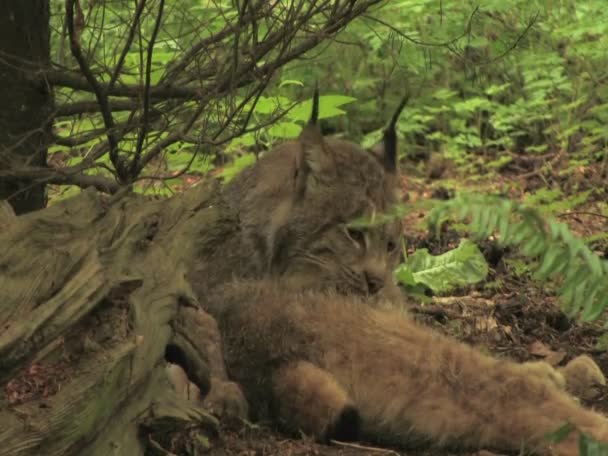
358,446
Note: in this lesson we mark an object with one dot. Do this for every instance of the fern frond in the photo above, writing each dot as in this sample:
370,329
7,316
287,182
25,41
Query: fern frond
584,286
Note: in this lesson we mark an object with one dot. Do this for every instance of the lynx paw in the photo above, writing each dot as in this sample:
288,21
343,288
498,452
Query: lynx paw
583,377
226,400
545,371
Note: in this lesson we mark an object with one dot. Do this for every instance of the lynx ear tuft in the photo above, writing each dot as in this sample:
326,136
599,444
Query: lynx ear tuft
386,151
314,156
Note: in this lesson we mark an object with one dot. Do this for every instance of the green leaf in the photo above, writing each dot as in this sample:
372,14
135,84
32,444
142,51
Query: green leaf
285,130
405,276
465,265
328,107
271,105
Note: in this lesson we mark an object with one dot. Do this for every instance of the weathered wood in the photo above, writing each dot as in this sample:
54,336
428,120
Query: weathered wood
7,214
99,283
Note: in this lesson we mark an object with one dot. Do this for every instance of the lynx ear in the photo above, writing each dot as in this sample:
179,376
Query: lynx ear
314,156
386,151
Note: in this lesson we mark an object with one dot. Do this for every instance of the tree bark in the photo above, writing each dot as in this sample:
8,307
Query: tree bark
92,292
27,103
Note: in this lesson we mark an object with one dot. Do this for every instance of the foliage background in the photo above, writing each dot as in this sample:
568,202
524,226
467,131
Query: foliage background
494,83
508,98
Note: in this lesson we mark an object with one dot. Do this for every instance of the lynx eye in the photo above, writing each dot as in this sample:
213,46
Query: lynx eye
391,246
356,235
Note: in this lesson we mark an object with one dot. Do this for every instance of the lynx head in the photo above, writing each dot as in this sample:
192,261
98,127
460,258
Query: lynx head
297,203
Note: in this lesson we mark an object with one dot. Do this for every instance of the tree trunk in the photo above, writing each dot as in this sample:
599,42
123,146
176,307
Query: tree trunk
92,291
27,107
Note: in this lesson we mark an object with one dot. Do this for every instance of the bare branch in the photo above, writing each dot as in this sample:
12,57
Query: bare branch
210,73
99,93
92,107
134,168
74,81
125,50
61,176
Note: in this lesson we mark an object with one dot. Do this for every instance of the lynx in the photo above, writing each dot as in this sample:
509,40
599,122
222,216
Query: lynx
313,326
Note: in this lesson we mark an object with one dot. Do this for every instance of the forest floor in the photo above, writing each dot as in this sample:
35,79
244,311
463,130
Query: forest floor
509,314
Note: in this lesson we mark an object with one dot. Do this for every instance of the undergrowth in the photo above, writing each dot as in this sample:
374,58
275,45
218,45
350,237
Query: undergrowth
582,276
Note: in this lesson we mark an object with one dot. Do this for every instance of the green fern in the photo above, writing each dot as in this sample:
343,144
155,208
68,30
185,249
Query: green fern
584,286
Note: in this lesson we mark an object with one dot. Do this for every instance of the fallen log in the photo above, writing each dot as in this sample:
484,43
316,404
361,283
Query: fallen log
92,292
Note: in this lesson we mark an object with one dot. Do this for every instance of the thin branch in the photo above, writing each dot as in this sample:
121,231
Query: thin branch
193,52
367,448
75,81
75,141
182,134
92,107
172,138
134,168
207,67
241,131
125,50
99,93
61,176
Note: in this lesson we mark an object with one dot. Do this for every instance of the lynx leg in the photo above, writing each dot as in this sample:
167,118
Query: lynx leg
310,400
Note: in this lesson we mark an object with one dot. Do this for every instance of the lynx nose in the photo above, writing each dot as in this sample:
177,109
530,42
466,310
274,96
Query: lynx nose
374,282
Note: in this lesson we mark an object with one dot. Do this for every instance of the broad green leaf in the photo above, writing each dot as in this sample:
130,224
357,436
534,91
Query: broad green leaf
465,265
271,105
328,107
285,130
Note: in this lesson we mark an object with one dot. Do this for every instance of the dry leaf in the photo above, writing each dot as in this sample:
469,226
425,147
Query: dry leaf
552,357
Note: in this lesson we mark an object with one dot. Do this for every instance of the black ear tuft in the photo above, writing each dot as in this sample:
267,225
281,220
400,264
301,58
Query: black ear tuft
390,139
314,157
